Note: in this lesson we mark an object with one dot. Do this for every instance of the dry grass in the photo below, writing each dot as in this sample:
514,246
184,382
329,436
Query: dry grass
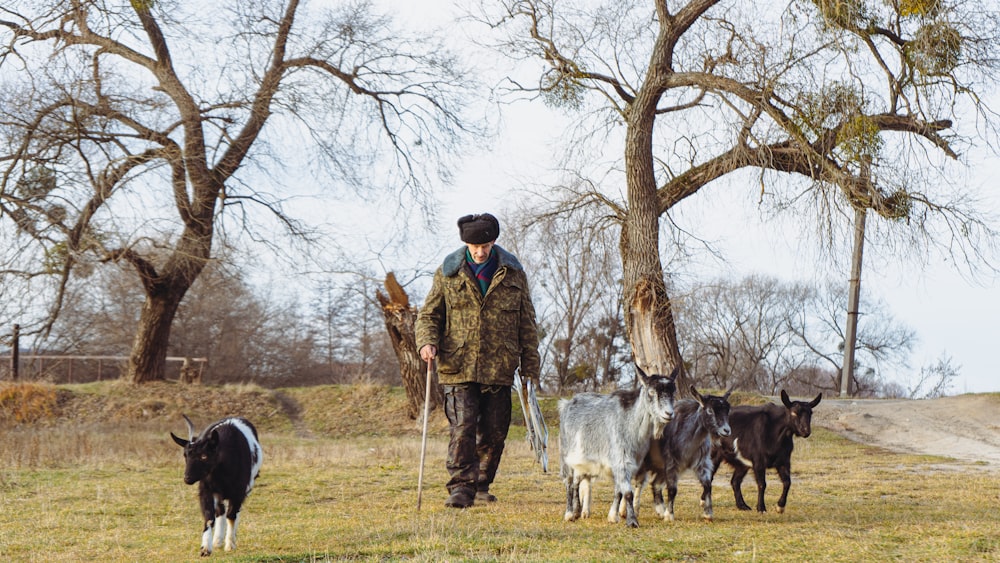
22,403
339,483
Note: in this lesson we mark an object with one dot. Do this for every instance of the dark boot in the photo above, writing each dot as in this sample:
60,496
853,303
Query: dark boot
485,496
461,497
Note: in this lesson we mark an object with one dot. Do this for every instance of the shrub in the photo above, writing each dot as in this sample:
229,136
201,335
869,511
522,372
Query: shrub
26,402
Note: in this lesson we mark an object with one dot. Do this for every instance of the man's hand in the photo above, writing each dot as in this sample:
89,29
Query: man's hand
428,352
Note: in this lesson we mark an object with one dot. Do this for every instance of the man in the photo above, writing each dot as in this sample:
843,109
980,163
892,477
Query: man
479,324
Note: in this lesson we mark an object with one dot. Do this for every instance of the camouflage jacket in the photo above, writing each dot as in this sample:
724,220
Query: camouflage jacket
479,338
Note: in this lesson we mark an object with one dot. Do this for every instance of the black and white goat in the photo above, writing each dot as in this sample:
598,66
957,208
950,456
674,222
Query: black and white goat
224,460
686,444
601,434
761,439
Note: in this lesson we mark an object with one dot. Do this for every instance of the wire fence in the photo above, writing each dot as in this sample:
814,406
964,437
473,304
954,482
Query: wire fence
84,369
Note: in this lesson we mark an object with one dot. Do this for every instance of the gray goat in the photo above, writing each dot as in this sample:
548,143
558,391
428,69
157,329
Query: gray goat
601,434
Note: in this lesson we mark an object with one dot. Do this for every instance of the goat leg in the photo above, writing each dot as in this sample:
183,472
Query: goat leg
759,471
613,515
706,500
739,472
572,500
785,473
631,520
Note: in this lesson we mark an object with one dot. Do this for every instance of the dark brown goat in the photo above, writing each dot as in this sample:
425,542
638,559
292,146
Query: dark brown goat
762,438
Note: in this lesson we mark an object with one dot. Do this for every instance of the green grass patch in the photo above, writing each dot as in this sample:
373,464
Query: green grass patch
339,483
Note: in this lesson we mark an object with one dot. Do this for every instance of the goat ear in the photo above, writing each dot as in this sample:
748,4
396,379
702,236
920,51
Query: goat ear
643,378
698,396
180,441
729,392
785,400
213,440
816,400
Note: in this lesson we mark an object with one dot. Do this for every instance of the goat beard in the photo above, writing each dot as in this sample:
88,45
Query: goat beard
658,428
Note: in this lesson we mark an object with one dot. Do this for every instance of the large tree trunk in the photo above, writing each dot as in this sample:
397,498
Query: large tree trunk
400,321
165,289
149,349
649,319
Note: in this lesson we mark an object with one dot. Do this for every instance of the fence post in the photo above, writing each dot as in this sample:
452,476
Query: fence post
15,352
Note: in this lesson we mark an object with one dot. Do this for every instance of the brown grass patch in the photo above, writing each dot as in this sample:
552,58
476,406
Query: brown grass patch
26,403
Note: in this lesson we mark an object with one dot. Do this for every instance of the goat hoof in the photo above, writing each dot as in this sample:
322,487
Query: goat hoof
781,510
632,523
569,517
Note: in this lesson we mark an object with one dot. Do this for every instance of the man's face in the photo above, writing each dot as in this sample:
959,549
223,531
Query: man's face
480,252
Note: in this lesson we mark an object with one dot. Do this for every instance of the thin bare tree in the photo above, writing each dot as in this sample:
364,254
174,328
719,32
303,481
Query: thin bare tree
883,344
576,284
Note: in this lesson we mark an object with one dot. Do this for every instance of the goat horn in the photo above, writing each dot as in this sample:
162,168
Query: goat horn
190,426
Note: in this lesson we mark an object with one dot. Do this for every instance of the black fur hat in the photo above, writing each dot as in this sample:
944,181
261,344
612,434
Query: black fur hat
478,229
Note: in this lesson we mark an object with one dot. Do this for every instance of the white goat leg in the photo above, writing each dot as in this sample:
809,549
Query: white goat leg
231,533
220,530
206,538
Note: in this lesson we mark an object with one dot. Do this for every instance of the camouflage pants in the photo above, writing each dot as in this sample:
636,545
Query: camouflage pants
479,416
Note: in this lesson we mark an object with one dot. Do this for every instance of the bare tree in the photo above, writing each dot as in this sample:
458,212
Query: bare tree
575,282
697,90
736,333
883,344
934,380
246,334
762,334
132,133
331,313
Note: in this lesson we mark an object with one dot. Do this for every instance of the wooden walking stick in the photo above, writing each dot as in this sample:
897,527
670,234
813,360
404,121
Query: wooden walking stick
423,441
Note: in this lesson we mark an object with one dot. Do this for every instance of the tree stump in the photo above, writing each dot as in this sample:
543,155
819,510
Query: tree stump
400,321
190,374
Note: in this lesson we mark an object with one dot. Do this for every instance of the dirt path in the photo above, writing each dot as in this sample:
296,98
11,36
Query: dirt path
965,428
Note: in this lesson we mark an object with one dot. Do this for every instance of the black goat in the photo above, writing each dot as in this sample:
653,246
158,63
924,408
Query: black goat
686,444
761,439
224,460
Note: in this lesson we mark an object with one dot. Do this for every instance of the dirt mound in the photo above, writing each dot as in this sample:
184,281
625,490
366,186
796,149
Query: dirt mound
964,427
162,403
327,410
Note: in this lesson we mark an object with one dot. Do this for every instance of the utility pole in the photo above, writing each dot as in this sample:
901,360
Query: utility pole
15,352
854,291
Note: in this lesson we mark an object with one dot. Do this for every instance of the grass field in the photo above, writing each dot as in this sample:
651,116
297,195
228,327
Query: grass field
94,479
